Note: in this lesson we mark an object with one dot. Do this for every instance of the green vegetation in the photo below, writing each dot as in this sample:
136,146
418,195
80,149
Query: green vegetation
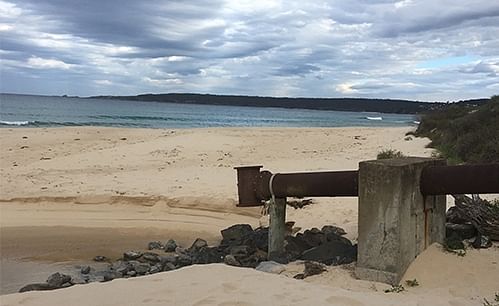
464,132
412,282
395,289
389,153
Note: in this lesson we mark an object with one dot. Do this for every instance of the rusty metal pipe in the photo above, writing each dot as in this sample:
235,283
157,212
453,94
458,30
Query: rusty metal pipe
440,180
316,184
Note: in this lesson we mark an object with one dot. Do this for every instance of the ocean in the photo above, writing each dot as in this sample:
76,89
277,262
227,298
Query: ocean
51,111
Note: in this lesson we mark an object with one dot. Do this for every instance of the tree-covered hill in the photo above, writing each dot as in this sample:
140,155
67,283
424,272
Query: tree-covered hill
335,104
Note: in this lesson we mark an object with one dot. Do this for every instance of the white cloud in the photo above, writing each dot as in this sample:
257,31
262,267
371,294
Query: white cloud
43,63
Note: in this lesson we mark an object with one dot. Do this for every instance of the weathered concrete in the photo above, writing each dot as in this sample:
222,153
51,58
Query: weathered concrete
396,222
277,229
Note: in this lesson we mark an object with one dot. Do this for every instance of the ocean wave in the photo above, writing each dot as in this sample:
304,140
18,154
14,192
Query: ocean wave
374,118
17,123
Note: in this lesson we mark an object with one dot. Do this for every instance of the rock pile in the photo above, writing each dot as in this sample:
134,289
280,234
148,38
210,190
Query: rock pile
241,246
459,229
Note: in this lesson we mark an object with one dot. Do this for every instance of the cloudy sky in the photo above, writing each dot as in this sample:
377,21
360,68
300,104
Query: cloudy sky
426,50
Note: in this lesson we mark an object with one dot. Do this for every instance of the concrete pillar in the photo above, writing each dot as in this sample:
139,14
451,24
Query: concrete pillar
396,222
277,229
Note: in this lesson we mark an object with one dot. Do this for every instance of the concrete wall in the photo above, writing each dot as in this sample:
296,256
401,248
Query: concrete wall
396,222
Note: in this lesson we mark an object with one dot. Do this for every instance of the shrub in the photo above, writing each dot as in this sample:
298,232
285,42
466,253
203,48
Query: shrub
389,153
463,132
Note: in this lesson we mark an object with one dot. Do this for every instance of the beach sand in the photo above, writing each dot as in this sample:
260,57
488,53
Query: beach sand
69,194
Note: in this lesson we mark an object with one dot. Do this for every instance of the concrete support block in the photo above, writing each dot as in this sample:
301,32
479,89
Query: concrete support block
396,222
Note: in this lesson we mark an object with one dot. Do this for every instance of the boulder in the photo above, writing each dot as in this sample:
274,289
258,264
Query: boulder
463,231
313,268
333,230
231,261
236,233
155,269
170,246
481,242
169,266
155,245
183,260
295,246
207,255
312,237
131,255
141,268
331,253
241,251
197,245
454,242
110,275
56,280
121,267
85,270
150,257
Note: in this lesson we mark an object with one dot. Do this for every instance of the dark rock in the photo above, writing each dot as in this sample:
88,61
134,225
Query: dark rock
207,255
168,259
170,246
155,269
56,280
481,242
197,245
110,275
236,232
453,215
131,255
100,258
155,245
254,259
152,257
79,280
231,261
331,253
454,242
121,267
241,251
36,287
183,260
131,273
334,230
313,268
313,237
295,246
169,266
260,238
299,276
141,268
463,231
85,270
180,250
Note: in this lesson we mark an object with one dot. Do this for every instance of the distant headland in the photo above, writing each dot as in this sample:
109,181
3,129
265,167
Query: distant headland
333,104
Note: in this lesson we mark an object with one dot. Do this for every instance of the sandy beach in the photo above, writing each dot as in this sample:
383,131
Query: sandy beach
69,194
